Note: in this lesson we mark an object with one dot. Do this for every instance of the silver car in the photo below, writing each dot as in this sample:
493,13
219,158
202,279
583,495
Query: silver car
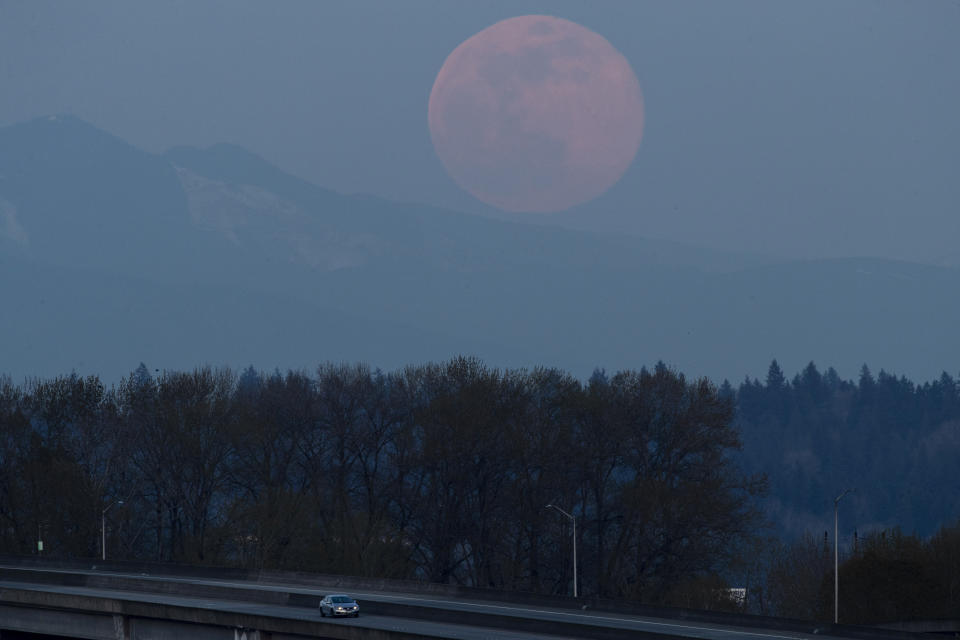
339,605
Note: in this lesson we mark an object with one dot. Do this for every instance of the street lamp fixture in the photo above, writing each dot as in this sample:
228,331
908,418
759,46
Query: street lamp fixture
103,529
836,554
574,521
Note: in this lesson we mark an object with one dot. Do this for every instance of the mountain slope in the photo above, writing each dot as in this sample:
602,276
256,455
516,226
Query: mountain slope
65,319
75,192
101,224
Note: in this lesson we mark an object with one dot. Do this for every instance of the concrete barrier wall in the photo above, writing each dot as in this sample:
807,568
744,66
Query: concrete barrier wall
510,623
946,627
145,585
75,624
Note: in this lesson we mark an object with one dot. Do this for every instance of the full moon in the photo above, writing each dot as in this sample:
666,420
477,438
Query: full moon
536,114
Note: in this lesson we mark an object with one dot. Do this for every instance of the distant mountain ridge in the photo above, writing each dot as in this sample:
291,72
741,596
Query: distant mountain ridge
294,274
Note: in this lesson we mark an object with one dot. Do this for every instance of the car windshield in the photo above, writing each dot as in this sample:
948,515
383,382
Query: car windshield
340,599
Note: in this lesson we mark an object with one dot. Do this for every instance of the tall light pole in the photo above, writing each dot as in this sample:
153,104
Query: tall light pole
574,521
103,529
836,555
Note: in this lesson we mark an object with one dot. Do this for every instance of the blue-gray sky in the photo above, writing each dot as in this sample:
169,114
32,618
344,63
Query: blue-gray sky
803,128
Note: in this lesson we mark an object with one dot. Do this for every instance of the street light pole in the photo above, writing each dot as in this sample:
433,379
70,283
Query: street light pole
103,529
836,555
574,521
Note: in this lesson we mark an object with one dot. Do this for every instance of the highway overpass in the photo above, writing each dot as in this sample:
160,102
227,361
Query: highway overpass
142,601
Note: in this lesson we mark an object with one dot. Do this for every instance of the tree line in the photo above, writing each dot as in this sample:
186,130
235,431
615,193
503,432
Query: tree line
439,472
443,472
885,576
897,444
894,441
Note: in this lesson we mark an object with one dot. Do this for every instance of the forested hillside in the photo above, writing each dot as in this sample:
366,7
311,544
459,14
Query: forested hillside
894,441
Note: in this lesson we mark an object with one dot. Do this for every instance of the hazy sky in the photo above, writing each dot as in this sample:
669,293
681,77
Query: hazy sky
806,128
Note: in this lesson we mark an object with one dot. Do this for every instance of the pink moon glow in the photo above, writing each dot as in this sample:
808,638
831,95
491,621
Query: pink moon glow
536,114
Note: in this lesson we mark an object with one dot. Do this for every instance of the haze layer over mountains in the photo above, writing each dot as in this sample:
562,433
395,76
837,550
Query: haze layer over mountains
110,256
